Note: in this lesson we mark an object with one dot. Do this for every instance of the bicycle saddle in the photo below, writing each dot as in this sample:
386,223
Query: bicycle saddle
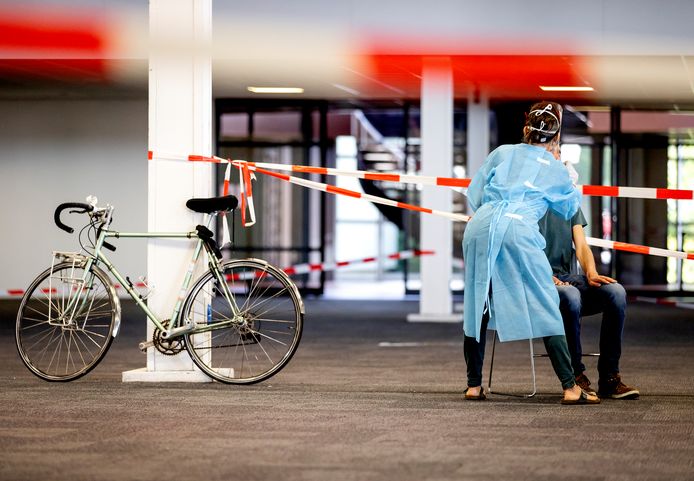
213,204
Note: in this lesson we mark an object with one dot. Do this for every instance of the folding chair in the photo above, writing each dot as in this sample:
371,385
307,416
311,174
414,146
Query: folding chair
532,369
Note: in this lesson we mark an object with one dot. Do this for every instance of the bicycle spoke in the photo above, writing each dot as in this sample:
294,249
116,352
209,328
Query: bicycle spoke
266,299
268,337
74,338
37,311
39,322
50,342
252,350
282,333
68,357
57,351
86,333
52,304
50,333
282,321
258,278
255,306
84,345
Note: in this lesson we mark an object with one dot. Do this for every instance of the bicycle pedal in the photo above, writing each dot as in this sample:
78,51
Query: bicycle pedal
144,345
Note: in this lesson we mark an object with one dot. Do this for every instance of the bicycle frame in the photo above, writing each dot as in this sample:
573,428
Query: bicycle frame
176,326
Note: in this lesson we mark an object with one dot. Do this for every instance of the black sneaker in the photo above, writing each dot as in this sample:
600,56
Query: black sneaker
584,383
614,388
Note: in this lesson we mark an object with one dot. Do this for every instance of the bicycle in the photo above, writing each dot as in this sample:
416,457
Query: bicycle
240,322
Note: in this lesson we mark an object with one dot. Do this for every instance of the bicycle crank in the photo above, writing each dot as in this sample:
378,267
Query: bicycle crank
164,343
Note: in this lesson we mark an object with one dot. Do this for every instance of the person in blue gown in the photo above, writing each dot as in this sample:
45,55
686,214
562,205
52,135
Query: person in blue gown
508,280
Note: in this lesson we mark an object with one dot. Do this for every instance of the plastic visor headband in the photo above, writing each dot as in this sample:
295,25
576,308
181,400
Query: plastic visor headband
546,110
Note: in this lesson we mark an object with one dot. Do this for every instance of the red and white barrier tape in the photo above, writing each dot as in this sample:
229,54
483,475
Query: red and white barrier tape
331,266
597,190
226,238
638,249
592,190
636,192
621,246
290,271
299,269
331,189
20,292
362,174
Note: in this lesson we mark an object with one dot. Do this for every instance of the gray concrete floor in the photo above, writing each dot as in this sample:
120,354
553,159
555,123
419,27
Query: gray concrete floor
347,409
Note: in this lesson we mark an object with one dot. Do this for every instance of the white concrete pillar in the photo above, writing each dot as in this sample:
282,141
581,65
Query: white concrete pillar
436,233
477,134
180,121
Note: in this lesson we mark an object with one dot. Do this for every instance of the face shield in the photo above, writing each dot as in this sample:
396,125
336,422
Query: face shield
545,122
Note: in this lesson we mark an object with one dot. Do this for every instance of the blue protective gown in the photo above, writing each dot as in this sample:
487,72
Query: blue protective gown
502,243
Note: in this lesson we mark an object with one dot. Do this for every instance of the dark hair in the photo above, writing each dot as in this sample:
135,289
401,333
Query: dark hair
542,123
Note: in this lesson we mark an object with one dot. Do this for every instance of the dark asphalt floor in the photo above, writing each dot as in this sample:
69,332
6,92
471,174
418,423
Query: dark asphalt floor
347,409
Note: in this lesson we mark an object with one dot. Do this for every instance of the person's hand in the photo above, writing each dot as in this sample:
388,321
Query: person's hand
557,282
555,149
596,280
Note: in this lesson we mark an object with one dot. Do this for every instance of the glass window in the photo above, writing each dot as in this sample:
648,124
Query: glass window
680,234
277,126
234,126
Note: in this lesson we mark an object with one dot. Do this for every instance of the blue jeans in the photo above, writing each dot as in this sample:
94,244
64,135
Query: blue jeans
581,299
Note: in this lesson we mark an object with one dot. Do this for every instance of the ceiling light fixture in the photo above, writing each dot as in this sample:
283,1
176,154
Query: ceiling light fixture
568,88
276,90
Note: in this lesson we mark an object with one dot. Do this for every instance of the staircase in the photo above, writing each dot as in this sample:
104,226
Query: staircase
378,154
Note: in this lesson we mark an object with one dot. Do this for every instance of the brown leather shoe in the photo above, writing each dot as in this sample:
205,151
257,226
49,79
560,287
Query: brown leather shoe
614,388
584,383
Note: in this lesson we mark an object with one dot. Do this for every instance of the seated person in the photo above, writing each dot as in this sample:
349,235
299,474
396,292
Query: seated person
502,248
584,295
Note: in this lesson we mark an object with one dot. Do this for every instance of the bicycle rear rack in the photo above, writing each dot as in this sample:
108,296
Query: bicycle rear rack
66,283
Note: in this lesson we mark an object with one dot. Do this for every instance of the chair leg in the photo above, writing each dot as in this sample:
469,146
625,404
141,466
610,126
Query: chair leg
491,365
532,370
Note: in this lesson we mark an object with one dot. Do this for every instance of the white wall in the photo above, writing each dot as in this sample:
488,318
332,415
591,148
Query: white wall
54,151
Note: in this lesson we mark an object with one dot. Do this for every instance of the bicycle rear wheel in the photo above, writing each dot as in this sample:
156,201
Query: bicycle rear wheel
64,326
257,341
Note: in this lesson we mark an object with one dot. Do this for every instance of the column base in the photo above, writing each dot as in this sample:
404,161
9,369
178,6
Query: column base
143,375
434,317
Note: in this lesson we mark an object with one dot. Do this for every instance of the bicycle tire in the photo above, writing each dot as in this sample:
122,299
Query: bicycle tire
56,345
268,328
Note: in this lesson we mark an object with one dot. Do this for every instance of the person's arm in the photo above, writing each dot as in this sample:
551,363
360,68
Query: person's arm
475,191
586,259
561,195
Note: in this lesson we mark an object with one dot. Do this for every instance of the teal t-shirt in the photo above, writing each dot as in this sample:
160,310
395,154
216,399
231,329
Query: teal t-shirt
559,236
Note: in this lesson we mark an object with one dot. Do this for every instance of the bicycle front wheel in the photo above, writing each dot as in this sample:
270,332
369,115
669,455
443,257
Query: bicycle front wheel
66,322
247,329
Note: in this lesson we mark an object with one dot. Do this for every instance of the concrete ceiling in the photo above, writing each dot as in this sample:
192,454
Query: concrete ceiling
636,53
